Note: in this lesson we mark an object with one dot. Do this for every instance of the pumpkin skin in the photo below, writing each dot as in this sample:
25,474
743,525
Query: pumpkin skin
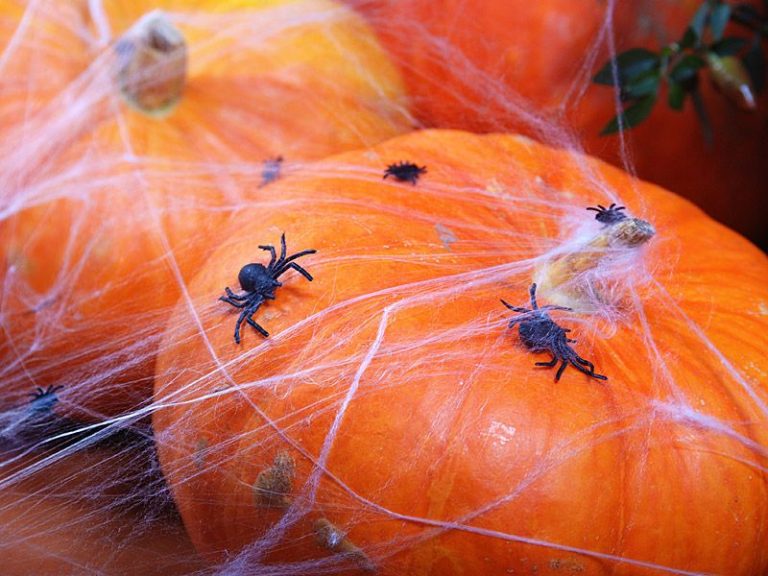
393,422
79,512
473,64
109,209
527,67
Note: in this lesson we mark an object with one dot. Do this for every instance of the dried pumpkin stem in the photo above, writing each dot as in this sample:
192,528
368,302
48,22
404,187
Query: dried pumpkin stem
332,538
571,279
152,65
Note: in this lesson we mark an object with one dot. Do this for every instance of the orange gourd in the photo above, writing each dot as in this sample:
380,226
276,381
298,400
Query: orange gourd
527,67
129,136
80,510
393,423
481,65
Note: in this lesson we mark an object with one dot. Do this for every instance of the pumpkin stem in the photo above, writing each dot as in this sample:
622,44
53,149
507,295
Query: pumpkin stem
574,278
331,538
152,65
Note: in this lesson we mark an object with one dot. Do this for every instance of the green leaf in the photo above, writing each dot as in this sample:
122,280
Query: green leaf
686,68
642,85
676,97
631,116
747,15
719,19
728,46
630,64
699,19
689,38
703,116
754,62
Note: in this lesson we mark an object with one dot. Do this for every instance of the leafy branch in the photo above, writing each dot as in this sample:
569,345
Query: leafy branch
735,64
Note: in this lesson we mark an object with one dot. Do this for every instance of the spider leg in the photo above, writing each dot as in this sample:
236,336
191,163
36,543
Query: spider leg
281,260
517,319
532,292
258,328
553,307
298,255
296,267
549,364
271,250
575,359
515,308
561,370
579,363
249,310
232,302
240,319
568,340
579,360
234,296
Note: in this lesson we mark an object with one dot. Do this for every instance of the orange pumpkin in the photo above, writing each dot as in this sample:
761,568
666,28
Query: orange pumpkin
392,422
150,130
479,65
527,66
83,511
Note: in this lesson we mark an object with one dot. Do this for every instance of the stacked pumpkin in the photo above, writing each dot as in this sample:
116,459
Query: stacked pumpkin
125,168
392,422
131,132
526,67
338,388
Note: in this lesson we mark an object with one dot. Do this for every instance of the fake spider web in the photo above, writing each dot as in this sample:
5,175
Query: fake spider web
258,436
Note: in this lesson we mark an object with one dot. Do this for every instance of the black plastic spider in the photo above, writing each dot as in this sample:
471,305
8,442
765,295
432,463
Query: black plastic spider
405,171
541,334
270,170
609,215
259,283
44,399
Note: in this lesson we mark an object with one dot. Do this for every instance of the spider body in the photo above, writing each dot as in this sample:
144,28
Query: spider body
405,172
540,333
259,283
270,170
44,399
609,215
257,278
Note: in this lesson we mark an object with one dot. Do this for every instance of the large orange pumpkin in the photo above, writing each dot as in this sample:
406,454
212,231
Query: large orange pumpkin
392,422
131,135
493,66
